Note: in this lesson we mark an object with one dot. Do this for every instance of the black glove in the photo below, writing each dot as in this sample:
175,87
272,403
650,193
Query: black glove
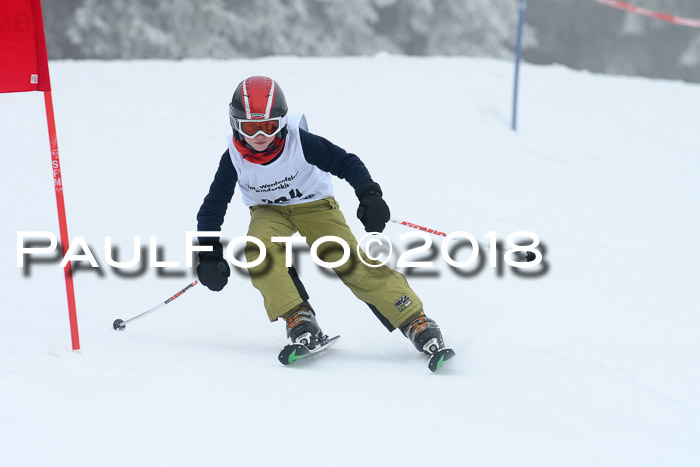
373,211
213,270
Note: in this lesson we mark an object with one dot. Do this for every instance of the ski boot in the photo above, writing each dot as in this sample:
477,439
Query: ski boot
306,335
425,335
302,327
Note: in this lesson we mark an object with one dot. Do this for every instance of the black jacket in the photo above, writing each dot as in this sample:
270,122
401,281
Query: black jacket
317,151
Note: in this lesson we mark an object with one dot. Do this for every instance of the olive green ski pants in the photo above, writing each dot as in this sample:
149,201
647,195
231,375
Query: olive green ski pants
385,291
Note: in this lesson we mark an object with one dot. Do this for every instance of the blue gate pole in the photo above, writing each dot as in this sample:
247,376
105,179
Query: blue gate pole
518,46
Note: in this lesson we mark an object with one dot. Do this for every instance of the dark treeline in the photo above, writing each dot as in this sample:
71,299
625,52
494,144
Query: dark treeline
577,33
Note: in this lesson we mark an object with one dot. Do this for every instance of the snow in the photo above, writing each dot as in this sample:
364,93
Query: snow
593,362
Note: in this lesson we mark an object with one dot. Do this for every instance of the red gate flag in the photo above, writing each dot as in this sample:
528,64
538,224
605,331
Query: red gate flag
23,56
24,66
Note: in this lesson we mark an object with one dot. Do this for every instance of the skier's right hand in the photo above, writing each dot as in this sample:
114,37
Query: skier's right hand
213,270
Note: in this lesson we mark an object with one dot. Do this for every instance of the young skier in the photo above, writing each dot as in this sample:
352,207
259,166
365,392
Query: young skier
284,175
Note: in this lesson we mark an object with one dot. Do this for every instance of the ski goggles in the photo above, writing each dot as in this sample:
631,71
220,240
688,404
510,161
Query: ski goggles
252,128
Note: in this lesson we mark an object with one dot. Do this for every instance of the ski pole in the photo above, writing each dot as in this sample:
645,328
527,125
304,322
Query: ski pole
120,324
529,256
420,227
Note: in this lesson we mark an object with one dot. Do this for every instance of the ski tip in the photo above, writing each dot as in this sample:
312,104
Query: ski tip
291,353
439,358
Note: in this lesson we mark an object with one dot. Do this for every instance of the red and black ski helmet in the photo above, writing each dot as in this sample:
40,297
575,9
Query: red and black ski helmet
258,98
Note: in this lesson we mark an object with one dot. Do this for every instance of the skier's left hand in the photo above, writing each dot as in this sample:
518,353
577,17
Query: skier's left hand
373,211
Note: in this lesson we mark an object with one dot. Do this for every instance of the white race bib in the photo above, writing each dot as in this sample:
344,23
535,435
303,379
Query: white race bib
286,181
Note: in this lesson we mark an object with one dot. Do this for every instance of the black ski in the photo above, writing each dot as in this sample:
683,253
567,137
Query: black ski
294,352
439,358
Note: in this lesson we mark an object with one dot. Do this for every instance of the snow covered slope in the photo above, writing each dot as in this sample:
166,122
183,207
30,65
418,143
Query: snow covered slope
593,361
